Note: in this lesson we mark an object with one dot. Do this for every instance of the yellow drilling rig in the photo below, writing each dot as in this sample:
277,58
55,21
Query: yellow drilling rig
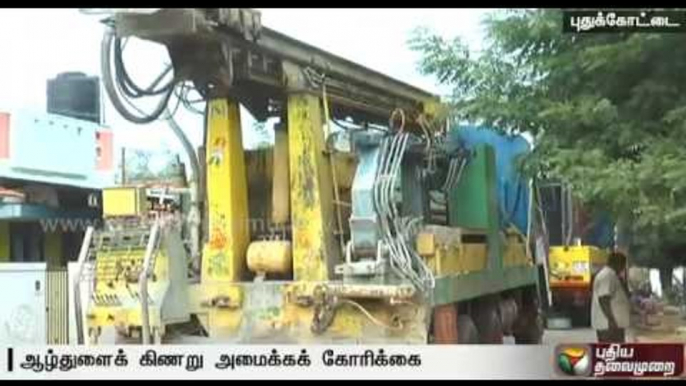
395,238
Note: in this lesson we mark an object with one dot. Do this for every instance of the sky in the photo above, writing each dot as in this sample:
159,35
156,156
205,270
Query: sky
37,44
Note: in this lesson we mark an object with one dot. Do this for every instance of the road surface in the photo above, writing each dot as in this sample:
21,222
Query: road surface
576,335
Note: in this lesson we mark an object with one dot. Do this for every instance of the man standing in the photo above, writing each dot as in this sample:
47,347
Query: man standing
610,311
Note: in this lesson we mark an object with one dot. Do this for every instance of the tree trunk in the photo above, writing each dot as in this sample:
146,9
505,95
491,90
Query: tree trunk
666,279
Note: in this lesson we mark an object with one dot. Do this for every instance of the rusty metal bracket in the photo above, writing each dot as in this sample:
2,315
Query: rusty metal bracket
324,310
295,79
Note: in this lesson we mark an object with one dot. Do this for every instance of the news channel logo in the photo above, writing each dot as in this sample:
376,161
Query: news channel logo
573,360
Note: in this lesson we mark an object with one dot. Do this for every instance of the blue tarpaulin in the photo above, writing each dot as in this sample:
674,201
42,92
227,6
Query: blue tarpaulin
513,189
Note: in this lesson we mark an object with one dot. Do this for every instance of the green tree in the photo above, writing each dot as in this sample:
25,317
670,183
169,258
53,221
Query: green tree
607,112
173,167
137,165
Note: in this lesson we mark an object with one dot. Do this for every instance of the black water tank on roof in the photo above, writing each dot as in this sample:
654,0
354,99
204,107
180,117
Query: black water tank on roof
76,95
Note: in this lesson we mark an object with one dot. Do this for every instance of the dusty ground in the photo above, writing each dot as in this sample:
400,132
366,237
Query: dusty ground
576,335
671,328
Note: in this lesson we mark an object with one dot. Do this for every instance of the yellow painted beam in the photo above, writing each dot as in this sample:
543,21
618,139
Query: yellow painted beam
227,194
280,193
314,250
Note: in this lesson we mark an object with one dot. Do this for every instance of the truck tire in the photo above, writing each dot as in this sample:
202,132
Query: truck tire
466,330
488,322
529,327
532,330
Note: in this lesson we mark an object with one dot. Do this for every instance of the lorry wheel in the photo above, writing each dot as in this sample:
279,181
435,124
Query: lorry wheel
529,328
488,323
466,330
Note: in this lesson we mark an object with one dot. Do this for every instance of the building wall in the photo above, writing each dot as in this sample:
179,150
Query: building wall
23,315
53,149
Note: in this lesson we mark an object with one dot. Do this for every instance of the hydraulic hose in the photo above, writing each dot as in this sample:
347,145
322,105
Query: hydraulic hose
129,86
194,182
108,81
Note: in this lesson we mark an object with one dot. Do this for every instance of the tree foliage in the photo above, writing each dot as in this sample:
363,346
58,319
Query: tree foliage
607,111
139,168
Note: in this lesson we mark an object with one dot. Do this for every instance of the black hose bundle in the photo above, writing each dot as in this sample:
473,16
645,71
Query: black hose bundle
127,87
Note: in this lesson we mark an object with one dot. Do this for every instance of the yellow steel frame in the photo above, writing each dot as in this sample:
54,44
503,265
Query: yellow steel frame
292,320
314,249
311,190
224,253
221,321
515,252
227,194
280,191
218,300
445,253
